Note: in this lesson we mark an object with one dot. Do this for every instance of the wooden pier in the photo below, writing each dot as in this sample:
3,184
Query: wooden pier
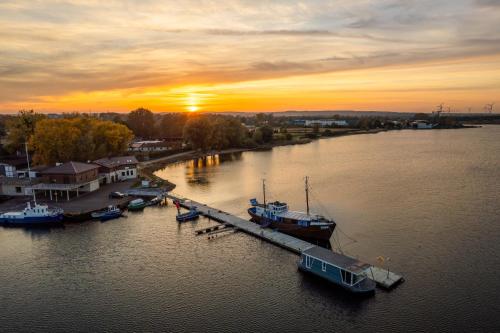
381,276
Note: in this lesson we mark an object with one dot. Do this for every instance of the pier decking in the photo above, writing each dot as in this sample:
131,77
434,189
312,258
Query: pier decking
381,276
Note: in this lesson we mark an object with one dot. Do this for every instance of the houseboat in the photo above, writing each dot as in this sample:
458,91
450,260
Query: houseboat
341,270
305,225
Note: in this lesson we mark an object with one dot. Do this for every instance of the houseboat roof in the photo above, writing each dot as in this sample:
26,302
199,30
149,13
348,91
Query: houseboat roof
337,259
70,168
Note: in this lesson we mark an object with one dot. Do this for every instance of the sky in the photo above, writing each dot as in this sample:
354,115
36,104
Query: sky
249,55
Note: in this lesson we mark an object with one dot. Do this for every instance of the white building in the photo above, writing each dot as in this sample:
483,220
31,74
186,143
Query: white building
325,122
115,169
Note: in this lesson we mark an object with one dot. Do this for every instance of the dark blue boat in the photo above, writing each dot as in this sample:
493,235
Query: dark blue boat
110,213
191,215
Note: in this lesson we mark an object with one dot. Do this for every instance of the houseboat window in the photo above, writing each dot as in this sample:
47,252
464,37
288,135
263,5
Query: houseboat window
323,266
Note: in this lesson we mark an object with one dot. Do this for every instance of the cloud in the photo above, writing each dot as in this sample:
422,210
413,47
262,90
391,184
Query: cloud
59,47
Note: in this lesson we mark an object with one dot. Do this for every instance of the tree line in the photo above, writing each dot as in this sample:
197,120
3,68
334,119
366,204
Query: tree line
74,137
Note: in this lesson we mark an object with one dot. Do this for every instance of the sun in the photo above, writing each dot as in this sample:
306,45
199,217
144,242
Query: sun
192,108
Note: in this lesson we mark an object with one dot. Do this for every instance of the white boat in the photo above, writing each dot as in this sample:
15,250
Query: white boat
38,215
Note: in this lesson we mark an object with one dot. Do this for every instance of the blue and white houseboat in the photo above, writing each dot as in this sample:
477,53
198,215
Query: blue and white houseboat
341,270
38,215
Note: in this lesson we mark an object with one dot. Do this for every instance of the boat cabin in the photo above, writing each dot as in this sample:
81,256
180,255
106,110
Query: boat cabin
344,271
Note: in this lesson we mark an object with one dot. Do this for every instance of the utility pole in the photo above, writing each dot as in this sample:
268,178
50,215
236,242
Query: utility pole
264,189
307,194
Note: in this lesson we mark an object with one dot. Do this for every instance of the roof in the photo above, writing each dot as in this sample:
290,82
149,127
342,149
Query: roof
337,259
117,161
70,168
155,143
17,161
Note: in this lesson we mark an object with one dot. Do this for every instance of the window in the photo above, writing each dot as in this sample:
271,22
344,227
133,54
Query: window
123,173
308,262
323,266
18,189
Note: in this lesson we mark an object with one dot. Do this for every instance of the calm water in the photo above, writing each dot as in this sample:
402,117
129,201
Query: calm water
429,200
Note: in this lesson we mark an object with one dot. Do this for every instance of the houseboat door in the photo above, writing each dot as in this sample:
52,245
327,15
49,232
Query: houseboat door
346,277
308,262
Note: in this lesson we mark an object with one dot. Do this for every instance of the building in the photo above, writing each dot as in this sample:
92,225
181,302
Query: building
421,124
12,187
156,145
148,146
116,169
67,180
9,166
320,122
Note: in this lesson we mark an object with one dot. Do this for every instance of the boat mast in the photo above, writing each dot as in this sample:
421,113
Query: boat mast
307,194
29,170
264,190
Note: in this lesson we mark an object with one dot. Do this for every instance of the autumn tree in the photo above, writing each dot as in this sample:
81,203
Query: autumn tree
198,131
78,139
142,123
20,128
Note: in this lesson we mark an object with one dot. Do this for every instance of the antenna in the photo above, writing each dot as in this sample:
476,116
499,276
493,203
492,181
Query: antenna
307,194
264,189
29,170
439,109
489,107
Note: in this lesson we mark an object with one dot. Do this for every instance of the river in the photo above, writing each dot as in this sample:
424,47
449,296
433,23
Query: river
427,201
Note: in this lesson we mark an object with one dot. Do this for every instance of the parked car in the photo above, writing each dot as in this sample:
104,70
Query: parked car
117,195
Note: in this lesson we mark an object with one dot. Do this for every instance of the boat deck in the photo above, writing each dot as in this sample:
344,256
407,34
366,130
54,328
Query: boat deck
377,274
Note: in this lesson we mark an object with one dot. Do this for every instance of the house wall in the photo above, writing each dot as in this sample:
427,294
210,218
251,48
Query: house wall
124,173
82,177
15,190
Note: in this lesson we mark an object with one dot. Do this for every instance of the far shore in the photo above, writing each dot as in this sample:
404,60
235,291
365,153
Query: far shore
147,168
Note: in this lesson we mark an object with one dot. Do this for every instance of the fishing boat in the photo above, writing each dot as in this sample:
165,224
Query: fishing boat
341,270
137,204
112,212
305,225
38,215
192,214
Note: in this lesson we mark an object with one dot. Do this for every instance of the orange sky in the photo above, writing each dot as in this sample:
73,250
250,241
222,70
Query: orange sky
249,55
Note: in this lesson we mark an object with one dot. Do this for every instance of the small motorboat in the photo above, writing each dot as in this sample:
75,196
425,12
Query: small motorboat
192,214
137,204
155,201
112,212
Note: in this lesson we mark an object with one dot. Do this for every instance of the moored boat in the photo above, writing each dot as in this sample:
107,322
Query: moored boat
192,214
305,225
341,270
38,215
137,204
112,212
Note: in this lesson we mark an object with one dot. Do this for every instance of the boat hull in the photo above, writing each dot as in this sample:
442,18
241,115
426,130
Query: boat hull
39,221
315,234
365,288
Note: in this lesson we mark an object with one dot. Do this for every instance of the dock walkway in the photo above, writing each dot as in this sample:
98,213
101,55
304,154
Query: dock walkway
381,276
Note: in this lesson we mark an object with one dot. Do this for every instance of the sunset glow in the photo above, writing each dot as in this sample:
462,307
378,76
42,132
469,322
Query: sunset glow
249,56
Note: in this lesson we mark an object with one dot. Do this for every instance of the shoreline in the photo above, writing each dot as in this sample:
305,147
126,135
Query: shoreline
147,168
